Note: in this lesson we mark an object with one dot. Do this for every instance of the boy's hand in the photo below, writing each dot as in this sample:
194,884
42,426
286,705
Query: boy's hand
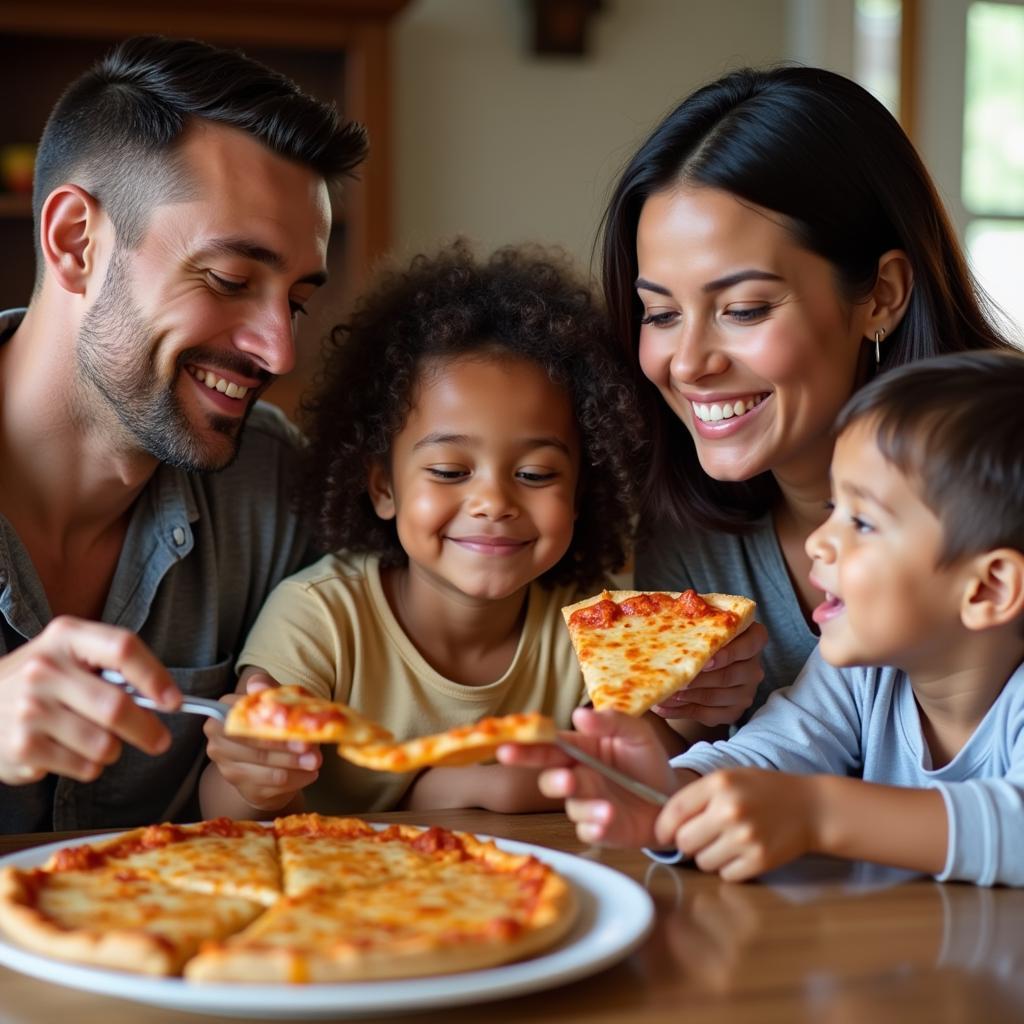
741,822
267,773
726,686
603,812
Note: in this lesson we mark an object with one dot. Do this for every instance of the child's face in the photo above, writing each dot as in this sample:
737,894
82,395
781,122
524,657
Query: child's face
876,556
483,476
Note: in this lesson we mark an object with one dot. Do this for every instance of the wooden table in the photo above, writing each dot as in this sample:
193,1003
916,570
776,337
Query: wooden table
821,941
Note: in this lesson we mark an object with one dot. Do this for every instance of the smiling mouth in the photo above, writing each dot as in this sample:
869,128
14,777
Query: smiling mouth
490,545
713,412
215,383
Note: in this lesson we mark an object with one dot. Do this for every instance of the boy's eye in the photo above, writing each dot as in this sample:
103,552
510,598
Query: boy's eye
861,525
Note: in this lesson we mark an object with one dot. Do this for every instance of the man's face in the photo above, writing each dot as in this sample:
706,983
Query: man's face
193,324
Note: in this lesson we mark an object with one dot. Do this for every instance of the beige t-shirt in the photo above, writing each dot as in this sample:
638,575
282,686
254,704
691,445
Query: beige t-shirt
329,628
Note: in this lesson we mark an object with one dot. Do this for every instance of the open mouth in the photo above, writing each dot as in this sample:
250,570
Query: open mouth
715,412
828,609
213,382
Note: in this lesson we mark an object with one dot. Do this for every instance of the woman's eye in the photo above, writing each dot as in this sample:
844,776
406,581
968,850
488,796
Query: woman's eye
658,319
748,316
224,285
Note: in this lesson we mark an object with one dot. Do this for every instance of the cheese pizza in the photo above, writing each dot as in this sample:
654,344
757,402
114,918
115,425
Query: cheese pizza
292,713
341,901
635,648
463,744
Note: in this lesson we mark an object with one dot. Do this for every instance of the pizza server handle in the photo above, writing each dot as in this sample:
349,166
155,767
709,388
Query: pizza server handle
190,705
627,782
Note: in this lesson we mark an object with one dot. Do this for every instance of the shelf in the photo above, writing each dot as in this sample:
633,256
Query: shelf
15,204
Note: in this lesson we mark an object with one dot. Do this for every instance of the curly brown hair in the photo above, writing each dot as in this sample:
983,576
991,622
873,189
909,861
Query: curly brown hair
523,302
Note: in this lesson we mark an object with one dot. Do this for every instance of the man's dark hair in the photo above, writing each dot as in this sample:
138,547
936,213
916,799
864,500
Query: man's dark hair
521,303
115,129
821,151
953,425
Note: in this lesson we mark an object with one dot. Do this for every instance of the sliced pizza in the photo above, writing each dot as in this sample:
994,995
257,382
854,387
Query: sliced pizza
635,648
221,857
487,908
106,919
292,713
464,744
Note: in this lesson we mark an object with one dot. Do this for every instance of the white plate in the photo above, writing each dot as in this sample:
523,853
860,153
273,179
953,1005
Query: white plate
615,915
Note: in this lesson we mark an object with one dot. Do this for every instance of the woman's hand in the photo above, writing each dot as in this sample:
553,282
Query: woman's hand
726,686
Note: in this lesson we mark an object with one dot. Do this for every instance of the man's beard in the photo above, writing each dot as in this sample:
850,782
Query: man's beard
116,349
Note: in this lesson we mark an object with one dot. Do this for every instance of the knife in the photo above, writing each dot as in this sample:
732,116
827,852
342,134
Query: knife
627,782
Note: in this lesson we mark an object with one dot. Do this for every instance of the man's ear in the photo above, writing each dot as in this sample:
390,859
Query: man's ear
378,485
994,595
69,224
891,294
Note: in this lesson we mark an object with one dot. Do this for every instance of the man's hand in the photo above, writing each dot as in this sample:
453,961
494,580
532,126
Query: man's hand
57,715
726,686
741,822
267,774
603,812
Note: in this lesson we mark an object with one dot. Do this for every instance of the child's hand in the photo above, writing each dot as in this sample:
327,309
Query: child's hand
726,686
741,822
267,773
603,812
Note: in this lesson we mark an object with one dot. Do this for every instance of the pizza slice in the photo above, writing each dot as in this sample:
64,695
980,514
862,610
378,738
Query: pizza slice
219,857
106,919
635,648
292,713
464,744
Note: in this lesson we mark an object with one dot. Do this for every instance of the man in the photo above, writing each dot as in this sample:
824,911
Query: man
182,215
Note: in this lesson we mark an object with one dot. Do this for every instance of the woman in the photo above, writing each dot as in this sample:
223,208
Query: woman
773,244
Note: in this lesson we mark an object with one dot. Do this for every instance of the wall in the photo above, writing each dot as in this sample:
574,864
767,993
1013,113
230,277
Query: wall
504,146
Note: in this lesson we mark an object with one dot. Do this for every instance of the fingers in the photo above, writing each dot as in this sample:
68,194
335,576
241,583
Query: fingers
531,755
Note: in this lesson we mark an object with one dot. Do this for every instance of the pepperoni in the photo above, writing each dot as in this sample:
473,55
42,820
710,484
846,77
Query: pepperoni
597,616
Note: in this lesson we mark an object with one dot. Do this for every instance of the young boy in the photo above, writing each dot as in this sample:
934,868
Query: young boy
919,764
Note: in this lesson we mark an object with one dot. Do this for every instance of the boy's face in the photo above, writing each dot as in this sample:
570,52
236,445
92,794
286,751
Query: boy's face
483,476
876,557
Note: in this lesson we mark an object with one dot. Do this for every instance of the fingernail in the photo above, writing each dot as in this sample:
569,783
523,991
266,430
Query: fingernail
308,761
709,666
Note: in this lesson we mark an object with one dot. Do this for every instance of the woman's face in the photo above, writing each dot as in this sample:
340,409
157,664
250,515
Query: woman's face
745,335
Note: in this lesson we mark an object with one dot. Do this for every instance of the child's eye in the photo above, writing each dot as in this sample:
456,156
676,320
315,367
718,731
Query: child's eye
536,476
658,319
447,472
830,506
861,525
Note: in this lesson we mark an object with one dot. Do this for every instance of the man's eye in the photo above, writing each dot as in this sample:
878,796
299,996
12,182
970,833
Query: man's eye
224,285
298,308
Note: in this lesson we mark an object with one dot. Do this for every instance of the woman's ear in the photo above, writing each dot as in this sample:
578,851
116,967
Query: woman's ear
378,485
995,592
68,230
890,296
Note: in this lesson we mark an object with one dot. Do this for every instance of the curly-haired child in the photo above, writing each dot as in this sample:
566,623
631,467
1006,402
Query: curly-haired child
469,464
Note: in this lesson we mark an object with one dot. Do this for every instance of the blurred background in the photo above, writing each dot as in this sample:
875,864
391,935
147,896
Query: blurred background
509,120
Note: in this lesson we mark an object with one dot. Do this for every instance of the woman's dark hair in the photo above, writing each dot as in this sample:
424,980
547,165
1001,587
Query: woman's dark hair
115,128
822,151
520,303
953,425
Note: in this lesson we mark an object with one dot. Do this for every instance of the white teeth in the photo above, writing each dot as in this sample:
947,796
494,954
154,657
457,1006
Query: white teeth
712,413
215,383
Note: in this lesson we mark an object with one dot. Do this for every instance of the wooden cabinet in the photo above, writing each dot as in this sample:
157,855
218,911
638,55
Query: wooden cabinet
335,49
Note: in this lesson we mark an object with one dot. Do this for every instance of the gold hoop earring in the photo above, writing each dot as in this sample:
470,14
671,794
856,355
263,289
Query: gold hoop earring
879,335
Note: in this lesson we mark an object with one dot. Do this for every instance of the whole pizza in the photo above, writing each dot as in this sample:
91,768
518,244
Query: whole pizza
307,899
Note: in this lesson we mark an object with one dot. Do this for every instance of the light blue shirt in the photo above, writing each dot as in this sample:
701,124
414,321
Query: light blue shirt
864,723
